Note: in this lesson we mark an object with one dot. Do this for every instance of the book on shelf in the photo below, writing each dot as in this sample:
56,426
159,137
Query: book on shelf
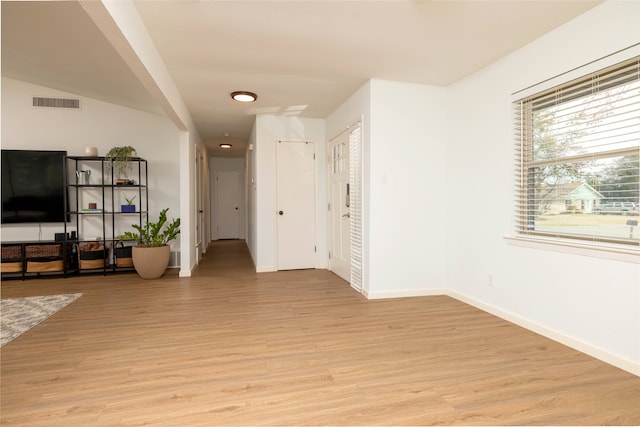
91,210
125,181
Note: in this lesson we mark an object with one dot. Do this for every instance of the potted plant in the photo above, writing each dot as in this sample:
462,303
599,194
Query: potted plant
152,251
129,207
118,159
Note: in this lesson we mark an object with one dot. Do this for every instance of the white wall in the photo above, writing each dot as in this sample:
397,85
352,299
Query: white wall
98,124
268,130
407,229
590,303
227,164
404,141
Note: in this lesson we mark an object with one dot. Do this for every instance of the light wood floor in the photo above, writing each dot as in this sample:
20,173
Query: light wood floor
232,347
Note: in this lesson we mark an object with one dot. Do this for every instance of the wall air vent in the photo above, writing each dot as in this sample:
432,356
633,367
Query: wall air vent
174,259
56,102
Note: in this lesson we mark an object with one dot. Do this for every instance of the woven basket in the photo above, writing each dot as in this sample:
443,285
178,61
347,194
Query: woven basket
92,255
122,255
43,258
89,264
11,267
42,251
43,266
10,252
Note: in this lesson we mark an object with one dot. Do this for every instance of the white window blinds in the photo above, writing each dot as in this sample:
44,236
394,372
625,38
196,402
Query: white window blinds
578,158
355,200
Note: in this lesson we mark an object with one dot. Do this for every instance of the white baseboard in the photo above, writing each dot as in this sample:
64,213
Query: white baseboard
266,269
576,344
405,293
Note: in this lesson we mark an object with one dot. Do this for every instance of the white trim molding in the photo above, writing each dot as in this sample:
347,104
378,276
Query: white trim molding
611,252
405,293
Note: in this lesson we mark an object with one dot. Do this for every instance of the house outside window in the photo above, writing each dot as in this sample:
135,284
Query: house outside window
579,158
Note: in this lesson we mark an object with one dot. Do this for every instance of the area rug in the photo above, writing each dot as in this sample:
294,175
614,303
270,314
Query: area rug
21,314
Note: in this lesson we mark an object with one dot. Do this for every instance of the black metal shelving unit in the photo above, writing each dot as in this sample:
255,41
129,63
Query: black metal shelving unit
101,186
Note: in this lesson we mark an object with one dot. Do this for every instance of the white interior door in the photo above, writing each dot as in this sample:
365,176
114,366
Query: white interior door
345,210
295,204
228,204
339,207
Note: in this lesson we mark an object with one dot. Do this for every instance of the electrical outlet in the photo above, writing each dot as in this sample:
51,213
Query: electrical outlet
490,282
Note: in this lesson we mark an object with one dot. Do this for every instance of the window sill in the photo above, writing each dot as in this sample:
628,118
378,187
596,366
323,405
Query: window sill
595,250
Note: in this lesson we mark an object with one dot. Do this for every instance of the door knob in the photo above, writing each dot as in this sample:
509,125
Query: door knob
280,213
347,215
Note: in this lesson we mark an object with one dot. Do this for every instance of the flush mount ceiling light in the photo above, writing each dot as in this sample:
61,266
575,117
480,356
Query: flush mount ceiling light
226,146
244,96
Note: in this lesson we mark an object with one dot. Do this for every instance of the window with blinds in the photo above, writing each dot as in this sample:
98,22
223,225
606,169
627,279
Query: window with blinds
578,165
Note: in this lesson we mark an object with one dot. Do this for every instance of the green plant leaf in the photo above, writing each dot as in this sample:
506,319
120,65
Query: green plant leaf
154,234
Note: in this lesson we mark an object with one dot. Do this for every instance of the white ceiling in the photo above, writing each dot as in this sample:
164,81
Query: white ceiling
301,57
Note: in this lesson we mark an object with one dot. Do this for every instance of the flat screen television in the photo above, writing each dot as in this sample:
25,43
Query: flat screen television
33,186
